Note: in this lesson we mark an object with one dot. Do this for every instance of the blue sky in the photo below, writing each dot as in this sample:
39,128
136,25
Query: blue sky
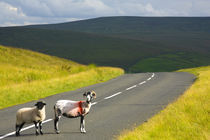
25,12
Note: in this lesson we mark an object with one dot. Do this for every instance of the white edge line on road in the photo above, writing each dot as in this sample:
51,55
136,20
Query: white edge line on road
131,87
31,126
112,95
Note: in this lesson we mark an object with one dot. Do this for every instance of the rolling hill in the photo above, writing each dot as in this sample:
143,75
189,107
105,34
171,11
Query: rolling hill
137,44
27,75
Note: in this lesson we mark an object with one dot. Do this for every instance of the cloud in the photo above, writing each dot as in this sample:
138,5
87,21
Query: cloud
21,12
9,14
14,14
138,9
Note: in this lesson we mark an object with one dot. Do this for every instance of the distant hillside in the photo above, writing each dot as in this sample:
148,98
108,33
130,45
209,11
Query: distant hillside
190,33
137,44
114,25
81,47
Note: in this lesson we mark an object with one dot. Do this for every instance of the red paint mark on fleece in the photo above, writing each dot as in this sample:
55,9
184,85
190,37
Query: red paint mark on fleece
80,107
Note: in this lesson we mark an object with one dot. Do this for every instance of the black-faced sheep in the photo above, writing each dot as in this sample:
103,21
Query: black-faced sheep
31,115
73,109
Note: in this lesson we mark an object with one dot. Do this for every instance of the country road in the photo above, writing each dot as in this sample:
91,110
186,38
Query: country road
121,103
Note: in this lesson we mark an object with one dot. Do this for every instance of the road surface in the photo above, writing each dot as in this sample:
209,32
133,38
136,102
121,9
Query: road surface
121,103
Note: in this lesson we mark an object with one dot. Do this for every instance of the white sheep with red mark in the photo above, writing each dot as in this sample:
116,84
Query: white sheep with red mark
73,109
31,115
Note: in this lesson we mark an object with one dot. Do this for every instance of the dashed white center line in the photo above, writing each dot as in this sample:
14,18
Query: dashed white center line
131,87
149,78
142,82
113,95
7,135
94,103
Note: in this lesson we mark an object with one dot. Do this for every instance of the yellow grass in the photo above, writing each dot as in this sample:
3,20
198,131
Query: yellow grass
27,75
188,118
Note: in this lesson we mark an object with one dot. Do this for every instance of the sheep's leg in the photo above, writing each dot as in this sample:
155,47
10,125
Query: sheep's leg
82,125
57,118
40,128
18,128
56,124
36,127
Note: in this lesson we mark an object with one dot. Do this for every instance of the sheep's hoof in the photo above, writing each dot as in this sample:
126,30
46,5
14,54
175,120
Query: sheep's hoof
83,131
17,134
41,132
57,132
37,133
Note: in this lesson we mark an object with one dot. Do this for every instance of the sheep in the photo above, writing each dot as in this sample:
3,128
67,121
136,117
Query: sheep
73,109
31,115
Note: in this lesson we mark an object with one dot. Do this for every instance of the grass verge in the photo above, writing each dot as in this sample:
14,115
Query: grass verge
27,75
187,118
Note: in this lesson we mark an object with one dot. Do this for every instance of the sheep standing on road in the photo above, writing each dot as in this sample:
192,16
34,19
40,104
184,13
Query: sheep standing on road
73,109
31,115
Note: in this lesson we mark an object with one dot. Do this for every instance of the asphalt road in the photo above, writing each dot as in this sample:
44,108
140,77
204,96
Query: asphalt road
121,103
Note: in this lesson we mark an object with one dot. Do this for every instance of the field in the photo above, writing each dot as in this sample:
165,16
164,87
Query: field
27,75
187,118
136,44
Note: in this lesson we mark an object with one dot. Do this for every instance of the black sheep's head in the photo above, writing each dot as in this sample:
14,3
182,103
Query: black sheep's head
40,104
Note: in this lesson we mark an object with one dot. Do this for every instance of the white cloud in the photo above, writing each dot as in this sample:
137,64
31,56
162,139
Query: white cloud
20,12
9,14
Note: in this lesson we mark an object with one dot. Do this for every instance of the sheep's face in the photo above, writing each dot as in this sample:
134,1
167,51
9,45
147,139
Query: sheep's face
89,95
40,105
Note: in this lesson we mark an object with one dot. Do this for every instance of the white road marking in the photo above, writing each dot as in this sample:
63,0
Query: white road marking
142,82
31,126
7,135
153,75
131,87
113,95
94,103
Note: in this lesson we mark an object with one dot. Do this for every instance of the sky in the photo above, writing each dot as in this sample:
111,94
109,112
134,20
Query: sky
26,12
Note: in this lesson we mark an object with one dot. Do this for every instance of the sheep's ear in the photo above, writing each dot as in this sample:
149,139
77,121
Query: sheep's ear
85,94
36,104
93,94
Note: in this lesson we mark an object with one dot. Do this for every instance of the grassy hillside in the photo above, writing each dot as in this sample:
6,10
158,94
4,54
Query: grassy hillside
27,75
190,33
170,62
130,24
137,44
187,118
81,47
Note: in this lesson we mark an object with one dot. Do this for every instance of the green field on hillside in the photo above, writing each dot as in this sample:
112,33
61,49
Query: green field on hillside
170,62
27,75
136,44
185,119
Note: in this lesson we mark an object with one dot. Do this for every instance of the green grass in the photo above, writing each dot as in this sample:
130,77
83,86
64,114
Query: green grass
170,62
187,118
27,75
